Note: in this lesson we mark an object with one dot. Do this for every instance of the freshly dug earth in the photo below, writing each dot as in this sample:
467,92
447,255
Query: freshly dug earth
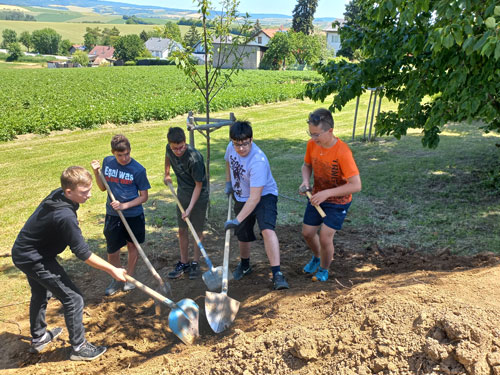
383,311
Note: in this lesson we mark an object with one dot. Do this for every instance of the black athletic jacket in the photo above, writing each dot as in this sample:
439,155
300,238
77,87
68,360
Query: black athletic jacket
48,231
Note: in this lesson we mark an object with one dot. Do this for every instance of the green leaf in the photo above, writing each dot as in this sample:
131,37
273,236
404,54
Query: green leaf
497,51
459,38
480,43
389,5
490,22
448,41
497,10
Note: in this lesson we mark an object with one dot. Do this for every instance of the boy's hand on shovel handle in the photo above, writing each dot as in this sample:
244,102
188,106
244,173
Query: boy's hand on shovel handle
307,191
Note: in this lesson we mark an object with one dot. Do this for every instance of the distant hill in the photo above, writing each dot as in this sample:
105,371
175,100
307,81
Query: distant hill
74,10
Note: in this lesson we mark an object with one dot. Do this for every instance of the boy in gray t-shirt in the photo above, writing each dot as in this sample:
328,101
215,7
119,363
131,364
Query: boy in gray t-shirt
249,177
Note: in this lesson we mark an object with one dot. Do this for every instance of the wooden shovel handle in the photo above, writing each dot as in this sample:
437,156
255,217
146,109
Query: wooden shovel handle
320,210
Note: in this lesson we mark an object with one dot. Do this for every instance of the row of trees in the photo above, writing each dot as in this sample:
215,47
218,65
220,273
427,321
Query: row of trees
46,41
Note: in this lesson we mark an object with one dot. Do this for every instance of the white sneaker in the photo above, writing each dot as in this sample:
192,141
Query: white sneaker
128,286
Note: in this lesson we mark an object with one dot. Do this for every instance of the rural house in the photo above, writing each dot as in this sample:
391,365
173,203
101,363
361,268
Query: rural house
76,47
101,55
162,47
253,51
333,37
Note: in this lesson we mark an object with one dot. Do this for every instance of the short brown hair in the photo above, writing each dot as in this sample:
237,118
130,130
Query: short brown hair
75,176
321,116
120,143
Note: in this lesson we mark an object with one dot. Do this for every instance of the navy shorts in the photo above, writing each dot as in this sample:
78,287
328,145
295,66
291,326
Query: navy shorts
116,234
265,213
335,215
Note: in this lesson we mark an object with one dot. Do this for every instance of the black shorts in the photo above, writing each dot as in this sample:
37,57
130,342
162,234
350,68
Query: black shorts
198,214
116,234
265,213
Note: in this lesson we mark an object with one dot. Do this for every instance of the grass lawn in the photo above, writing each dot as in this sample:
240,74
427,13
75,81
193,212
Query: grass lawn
411,197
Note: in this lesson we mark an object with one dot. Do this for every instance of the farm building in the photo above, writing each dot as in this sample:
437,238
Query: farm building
333,37
162,47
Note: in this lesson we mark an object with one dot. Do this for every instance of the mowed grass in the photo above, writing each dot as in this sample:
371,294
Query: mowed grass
74,31
428,200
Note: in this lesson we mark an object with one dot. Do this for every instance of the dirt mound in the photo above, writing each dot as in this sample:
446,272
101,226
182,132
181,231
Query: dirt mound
384,310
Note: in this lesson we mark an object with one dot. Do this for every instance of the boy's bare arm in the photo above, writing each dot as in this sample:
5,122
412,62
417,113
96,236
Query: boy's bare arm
167,178
194,198
306,176
251,203
142,198
352,186
99,263
96,167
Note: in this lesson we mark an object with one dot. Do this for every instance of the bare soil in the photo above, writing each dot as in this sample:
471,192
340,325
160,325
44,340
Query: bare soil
383,311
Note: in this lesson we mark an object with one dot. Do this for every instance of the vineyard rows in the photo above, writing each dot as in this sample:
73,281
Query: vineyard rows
42,100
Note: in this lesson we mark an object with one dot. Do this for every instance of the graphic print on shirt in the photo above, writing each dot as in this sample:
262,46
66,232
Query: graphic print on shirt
328,175
238,172
117,176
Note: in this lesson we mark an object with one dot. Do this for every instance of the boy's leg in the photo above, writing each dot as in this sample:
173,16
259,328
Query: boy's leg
327,248
310,234
272,246
184,244
51,277
38,307
133,254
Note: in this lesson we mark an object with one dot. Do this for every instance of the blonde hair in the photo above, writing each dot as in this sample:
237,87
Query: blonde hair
75,176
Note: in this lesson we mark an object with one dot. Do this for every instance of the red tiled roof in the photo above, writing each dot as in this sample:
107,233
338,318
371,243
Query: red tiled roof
103,51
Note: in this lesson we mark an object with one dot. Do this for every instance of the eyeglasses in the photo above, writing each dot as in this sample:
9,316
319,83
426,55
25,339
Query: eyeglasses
178,149
315,135
242,144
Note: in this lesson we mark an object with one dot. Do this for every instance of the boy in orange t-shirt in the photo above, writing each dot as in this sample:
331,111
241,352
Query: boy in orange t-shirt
336,178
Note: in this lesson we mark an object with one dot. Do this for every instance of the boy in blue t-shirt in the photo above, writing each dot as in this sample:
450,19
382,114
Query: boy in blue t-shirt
129,184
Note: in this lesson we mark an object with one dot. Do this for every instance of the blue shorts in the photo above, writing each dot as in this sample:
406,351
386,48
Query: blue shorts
265,213
117,235
335,215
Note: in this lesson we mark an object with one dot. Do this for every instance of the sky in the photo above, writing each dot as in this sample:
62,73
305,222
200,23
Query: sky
326,8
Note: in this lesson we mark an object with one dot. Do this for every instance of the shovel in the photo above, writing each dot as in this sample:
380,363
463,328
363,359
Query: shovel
221,309
164,288
306,190
183,318
213,277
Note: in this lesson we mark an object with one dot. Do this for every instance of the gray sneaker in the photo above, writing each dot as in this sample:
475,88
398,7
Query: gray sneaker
279,281
37,347
113,287
87,352
194,271
128,286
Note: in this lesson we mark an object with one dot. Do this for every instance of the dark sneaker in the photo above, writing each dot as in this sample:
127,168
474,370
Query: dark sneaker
239,272
37,347
128,286
321,275
113,287
87,352
194,271
312,266
279,281
179,270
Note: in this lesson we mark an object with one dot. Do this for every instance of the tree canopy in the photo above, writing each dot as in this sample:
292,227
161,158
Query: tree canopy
192,36
170,30
303,16
46,41
129,47
439,60
8,36
25,39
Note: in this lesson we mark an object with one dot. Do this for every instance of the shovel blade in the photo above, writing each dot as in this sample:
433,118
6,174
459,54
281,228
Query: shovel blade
221,310
183,327
213,279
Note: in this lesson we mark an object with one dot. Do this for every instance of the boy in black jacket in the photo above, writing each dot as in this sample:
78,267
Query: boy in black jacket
49,230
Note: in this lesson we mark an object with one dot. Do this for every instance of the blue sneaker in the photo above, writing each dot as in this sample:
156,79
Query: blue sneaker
312,266
239,272
321,275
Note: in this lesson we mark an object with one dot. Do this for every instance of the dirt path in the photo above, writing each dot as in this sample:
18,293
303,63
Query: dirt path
385,311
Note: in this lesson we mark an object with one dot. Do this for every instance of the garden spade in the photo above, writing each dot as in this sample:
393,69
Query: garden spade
306,190
183,317
213,277
221,309
164,287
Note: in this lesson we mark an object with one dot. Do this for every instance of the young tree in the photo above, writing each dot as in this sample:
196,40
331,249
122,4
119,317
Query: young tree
8,36
212,78
46,41
438,60
129,47
257,27
80,57
25,39
303,16
144,36
192,36
14,50
307,49
279,52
